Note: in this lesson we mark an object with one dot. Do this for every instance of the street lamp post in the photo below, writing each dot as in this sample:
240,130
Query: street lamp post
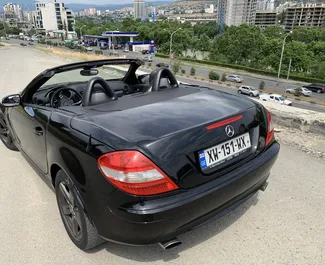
4,27
280,64
170,45
81,31
288,74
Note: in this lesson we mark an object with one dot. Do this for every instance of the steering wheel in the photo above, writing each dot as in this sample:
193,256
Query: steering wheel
62,100
86,100
160,73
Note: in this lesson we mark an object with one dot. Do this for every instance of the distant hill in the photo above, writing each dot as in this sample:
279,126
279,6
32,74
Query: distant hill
79,7
30,4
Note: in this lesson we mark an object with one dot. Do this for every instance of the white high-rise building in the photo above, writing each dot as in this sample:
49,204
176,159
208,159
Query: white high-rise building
236,12
209,10
13,14
53,16
139,9
265,5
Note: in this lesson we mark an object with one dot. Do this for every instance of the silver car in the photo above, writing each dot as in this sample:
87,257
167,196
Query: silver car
306,92
234,78
248,90
147,59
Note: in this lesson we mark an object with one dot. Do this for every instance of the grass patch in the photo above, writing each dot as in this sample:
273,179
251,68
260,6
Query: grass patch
76,55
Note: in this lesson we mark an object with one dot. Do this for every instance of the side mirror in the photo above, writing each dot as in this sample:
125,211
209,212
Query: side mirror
11,100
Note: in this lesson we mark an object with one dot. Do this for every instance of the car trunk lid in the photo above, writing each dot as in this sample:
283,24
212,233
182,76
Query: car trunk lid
175,132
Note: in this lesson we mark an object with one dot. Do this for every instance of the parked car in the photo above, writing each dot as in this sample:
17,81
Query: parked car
234,78
147,59
89,49
145,51
137,160
103,47
304,91
248,90
115,53
23,44
30,43
162,65
319,88
276,98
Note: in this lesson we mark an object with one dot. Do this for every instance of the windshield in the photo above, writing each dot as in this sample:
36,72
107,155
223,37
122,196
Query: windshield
108,72
282,98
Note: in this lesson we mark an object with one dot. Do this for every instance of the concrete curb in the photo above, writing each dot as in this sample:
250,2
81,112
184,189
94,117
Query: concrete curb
304,120
304,125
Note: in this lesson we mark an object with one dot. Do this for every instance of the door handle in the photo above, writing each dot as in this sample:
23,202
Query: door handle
38,131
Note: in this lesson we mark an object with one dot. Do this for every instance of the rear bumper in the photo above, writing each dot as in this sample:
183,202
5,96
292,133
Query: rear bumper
152,221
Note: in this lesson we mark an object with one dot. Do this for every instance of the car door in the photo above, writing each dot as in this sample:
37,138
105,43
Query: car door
312,87
245,90
29,124
277,100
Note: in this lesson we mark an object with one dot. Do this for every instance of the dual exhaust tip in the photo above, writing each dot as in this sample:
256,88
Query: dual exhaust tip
169,244
174,242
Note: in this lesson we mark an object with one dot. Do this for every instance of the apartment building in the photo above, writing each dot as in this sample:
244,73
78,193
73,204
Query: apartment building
236,12
139,9
13,14
265,5
307,15
53,16
265,18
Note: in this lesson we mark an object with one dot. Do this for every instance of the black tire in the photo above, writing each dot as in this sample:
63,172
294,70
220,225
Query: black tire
250,94
71,211
6,138
318,91
239,91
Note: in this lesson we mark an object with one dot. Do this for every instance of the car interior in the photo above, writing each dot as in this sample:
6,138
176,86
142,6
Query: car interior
97,90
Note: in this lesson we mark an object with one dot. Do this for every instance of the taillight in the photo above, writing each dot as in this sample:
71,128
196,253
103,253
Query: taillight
134,173
270,129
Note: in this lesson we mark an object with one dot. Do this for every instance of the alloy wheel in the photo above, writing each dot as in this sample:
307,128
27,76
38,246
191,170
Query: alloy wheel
70,211
4,132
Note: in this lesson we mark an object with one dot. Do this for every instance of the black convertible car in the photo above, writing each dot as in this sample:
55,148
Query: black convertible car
138,158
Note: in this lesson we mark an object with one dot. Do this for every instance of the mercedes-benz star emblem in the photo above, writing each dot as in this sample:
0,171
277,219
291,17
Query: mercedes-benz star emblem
230,131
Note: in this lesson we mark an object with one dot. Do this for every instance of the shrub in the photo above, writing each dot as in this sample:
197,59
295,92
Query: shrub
302,78
176,67
213,75
149,64
223,77
261,85
183,71
192,72
98,52
298,92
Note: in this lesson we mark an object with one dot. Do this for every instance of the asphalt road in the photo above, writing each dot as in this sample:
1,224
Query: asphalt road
251,80
283,225
298,104
254,81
